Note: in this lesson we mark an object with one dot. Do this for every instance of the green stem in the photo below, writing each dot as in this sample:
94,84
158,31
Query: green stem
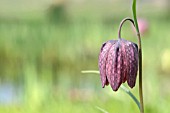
121,24
140,75
140,56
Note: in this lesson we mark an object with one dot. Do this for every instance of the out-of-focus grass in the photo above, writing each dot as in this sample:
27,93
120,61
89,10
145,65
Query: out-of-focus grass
44,61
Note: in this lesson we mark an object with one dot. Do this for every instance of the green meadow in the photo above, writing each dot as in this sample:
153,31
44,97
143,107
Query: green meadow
43,52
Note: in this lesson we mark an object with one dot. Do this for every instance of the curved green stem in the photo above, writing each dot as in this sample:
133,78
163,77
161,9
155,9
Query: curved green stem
140,56
121,24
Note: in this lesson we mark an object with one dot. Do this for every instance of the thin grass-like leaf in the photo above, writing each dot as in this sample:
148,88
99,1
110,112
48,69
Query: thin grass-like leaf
90,71
122,87
101,109
131,95
134,15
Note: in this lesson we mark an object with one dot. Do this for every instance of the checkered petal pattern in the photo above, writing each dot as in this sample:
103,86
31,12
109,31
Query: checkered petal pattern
118,63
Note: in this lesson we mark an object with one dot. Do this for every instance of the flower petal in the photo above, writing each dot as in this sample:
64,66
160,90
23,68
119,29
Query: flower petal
102,61
113,66
124,60
132,57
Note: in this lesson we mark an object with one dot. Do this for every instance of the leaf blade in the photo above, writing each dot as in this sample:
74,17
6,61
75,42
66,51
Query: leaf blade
134,15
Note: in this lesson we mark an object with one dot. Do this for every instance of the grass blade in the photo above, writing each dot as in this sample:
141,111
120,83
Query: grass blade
134,15
102,110
126,90
90,71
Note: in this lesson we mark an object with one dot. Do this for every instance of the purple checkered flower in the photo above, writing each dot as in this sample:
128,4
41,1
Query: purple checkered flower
118,63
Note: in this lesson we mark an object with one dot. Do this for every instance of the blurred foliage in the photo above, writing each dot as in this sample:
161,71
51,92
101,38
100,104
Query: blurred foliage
43,57
57,13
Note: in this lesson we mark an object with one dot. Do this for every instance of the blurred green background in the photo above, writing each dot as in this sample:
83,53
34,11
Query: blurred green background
44,45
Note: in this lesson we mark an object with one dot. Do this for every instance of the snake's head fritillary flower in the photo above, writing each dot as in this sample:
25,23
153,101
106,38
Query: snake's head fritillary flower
118,63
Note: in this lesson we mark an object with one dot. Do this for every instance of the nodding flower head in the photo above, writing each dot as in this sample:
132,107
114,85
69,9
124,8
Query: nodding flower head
118,63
